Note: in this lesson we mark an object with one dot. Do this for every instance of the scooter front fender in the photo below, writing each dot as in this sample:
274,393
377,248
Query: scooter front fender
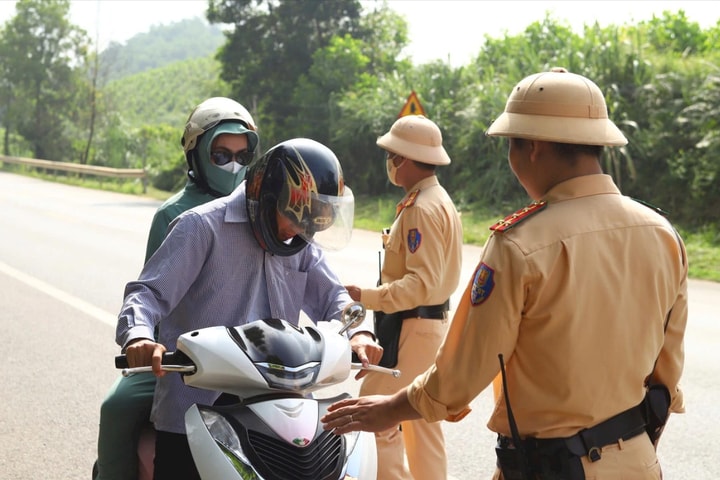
276,438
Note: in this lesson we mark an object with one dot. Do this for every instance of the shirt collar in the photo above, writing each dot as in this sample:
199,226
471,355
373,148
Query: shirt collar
584,186
425,183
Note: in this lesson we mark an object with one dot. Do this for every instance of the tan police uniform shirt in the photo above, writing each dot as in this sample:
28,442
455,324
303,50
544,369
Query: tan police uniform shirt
423,252
575,298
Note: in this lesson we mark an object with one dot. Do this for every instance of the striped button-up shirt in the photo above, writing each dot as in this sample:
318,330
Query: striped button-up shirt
211,271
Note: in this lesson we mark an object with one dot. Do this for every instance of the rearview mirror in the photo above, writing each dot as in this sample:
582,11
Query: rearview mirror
352,316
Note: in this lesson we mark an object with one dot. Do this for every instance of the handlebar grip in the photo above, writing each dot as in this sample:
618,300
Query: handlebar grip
168,358
121,361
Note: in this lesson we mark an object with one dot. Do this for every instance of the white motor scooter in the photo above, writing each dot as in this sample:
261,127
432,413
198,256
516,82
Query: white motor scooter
274,431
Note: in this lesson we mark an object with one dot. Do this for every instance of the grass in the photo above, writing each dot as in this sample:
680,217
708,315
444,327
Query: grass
703,248
375,213
703,245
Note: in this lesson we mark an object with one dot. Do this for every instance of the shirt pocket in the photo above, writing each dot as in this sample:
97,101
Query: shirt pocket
394,240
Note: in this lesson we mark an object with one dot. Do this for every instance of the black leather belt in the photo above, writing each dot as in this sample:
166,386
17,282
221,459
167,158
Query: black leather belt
436,312
623,426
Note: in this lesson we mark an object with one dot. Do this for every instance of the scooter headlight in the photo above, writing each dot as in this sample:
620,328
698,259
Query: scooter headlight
289,378
228,441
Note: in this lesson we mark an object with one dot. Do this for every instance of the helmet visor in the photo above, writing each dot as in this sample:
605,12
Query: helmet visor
329,221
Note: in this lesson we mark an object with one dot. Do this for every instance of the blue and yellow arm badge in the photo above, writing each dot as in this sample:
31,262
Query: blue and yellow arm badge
483,284
414,239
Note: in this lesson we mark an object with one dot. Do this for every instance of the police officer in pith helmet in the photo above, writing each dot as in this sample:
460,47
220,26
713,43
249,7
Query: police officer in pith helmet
420,271
578,304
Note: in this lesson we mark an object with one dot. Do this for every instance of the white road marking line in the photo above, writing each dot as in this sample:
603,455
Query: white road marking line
79,304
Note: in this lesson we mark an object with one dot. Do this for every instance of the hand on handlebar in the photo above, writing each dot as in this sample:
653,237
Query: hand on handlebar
145,352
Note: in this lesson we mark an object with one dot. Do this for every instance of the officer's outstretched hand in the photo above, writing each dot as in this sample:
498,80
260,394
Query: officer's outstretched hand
373,413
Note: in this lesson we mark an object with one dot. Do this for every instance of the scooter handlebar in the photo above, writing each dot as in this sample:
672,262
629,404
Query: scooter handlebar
376,368
169,358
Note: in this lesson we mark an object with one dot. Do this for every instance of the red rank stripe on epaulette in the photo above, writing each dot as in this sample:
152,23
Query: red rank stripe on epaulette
407,203
513,219
411,198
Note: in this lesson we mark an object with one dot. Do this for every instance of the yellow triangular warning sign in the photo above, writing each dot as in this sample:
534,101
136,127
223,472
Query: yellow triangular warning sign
412,106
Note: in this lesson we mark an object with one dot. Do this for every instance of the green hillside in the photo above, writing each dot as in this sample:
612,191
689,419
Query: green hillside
162,45
164,95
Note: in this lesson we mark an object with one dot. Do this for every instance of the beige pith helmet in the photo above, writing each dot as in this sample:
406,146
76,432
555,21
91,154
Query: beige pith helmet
557,106
417,138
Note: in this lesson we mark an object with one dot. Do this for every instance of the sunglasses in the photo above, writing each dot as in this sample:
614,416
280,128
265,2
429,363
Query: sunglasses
223,157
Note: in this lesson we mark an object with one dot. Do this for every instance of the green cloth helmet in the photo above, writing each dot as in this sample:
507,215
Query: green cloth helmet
209,119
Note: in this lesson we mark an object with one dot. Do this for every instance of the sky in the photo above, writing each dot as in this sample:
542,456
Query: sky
449,30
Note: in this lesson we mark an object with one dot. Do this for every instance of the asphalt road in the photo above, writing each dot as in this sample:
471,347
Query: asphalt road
65,256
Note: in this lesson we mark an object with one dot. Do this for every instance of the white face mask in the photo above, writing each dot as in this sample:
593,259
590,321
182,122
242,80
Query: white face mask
230,167
392,170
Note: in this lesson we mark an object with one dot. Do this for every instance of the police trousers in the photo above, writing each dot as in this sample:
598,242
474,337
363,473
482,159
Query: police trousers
421,442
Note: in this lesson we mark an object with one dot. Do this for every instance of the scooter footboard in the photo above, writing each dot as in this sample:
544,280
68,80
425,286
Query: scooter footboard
278,437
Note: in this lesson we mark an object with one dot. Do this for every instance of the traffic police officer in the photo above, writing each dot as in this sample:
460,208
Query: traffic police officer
579,298
420,271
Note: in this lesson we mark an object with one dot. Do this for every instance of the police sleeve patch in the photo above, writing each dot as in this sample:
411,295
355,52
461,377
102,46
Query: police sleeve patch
483,284
414,238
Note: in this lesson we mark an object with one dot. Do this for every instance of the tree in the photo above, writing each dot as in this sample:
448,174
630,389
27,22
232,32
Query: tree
40,49
335,69
271,47
6,93
357,81
675,33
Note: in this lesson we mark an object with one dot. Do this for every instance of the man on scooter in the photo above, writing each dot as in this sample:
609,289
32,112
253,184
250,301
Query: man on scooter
257,253
219,140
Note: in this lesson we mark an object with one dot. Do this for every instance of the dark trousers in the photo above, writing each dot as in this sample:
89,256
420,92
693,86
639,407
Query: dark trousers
173,459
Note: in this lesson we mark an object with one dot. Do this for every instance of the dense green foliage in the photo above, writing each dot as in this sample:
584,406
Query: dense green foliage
331,71
269,60
39,84
164,95
144,131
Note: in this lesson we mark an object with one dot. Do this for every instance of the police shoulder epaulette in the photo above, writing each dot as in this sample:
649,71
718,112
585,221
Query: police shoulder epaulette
651,206
410,200
513,219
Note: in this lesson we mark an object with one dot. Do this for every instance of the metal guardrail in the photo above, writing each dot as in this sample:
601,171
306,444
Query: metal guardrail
81,169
